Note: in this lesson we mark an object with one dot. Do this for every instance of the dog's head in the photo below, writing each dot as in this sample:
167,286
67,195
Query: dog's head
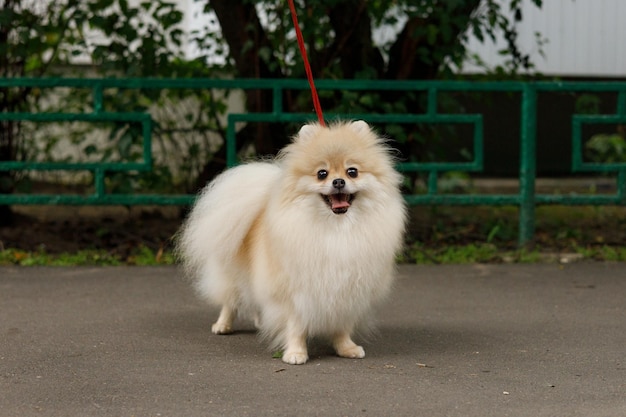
343,166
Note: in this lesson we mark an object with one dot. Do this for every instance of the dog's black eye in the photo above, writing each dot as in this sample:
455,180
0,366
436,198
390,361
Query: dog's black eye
352,172
322,174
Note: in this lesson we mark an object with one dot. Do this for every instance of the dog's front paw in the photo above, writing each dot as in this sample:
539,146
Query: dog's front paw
295,358
353,352
221,328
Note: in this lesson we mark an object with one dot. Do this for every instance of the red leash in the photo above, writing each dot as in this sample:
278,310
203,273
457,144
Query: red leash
307,66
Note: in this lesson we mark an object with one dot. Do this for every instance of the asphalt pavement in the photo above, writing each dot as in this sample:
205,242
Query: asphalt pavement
474,340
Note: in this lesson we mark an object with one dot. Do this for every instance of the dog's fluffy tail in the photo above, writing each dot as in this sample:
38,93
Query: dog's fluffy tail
222,216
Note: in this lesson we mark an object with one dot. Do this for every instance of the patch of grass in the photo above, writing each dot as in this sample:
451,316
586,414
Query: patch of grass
489,234
416,253
604,253
465,254
143,256
489,253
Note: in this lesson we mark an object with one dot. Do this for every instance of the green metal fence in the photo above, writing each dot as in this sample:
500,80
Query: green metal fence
525,199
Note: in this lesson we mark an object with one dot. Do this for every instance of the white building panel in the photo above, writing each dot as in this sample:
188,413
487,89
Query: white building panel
584,38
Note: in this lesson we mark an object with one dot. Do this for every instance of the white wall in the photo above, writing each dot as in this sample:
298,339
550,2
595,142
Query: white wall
585,38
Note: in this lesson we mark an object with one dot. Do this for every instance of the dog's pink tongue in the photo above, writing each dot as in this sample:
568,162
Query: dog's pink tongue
339,201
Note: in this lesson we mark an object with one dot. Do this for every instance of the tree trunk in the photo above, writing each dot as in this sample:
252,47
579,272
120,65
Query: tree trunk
352,44
6,128
245,36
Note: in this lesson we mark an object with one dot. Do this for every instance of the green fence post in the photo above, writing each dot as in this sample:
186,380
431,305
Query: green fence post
97,97
99,191
231,142
528,142
621,103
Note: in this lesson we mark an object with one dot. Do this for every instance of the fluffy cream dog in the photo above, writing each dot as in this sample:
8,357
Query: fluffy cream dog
305,245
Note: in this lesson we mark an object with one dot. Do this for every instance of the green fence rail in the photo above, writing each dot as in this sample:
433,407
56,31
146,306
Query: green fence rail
526,199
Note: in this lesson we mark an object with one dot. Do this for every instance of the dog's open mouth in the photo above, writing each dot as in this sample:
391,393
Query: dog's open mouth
339,202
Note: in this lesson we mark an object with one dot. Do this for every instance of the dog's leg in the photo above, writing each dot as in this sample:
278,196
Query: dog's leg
295,347
346,348
224,323
257,320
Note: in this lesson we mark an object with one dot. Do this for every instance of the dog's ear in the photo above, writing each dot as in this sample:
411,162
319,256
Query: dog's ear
359,126
307,132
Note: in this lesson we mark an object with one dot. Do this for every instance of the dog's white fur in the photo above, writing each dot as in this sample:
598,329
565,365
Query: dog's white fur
262,242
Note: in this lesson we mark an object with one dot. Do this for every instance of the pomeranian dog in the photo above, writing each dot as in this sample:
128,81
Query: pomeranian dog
305,244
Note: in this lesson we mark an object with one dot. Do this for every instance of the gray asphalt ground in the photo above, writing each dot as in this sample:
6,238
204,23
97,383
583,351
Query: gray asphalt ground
480,340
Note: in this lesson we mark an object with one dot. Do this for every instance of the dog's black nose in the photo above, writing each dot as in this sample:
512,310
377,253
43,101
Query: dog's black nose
339,183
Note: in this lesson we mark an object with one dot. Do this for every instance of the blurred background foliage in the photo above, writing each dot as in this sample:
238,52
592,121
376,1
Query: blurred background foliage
425,39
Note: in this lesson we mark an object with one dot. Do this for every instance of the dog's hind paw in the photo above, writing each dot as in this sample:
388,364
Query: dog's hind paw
295,358
221,328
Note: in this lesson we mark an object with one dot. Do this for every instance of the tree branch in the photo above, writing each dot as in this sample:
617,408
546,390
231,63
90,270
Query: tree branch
245,36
